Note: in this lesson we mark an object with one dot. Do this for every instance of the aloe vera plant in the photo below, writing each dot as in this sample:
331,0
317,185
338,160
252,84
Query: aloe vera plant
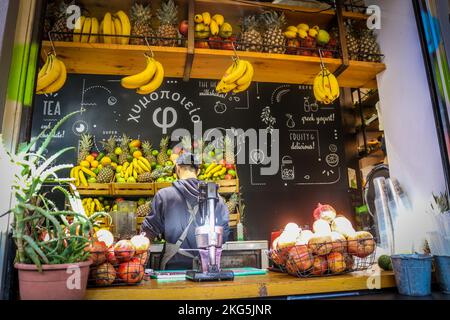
44,234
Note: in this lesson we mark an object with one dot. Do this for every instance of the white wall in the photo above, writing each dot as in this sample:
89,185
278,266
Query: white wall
411,139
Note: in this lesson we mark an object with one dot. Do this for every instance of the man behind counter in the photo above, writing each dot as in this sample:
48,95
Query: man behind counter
175,215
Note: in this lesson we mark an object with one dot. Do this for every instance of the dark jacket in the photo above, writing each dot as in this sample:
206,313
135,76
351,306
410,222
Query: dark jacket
170,216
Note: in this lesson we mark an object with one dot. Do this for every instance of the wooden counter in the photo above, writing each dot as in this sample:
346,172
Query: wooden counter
270,285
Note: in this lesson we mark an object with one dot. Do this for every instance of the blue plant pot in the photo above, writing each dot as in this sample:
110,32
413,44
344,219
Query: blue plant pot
443,273
412,274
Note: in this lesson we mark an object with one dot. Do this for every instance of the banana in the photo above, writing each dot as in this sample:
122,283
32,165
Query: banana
98,205
146,162
219,19
126,27
319,93
214,28
107,28
229,87
78,28
220,172
88,172
242,87
135,174
86,30
77,177
206,18
143,166
210,167
82,178
248,75
94,31
292,28
117,29
100,32
44,67
142,78
237,72
216,169
113,32
92,207
219,87
335,92
136,166
58,83
155,83
51,74
125,166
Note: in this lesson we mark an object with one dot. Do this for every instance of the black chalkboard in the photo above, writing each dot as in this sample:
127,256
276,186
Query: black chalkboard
311,163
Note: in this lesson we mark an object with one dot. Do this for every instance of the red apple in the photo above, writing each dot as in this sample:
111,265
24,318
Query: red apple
184,28
228,177
228,43
215,42
94,154
230,166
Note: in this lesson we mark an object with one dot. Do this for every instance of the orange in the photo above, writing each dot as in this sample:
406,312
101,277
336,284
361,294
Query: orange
137,154
135,144
90,158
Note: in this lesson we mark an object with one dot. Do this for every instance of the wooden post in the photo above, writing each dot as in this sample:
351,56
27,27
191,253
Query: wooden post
191,42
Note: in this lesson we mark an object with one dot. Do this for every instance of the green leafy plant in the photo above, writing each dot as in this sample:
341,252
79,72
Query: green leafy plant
44,234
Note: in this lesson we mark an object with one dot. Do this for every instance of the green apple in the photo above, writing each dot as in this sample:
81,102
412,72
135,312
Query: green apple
155,152
131,180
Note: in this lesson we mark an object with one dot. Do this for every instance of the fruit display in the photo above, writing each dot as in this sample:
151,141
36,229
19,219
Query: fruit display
115,28
60,31
273,37
326,87
52,76
212,31
333,248
362,44
119,263
251,34
237,78
86,30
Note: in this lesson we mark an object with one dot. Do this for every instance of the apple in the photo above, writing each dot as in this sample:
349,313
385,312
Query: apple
230,166
320,244
361,244
336,262
184,28
301,257
320,265
228,177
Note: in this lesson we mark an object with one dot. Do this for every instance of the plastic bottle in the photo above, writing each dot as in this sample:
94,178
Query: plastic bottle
383,220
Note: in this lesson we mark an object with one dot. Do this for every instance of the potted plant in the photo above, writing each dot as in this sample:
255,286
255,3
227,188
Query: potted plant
52,256
439,239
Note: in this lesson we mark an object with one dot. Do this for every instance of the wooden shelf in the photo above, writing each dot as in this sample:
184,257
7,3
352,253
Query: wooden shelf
85,58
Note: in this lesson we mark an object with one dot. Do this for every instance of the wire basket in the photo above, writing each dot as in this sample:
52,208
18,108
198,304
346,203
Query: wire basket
117,268
326,258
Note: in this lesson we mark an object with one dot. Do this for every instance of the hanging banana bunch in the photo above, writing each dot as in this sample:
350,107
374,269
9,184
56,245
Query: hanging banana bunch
326,86
52,76
148,80
237,78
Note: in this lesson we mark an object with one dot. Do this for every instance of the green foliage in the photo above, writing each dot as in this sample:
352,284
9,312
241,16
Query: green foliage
44,234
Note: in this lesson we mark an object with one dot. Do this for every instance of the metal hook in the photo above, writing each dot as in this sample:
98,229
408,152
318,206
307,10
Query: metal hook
51,43
322,65
235,57
152,55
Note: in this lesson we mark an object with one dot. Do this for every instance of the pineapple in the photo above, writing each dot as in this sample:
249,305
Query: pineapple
106,175
85,146
147,148
61,23
167,15
124,145
352,42
251,37
162,155
232,203
368,46
144,210
229,150
273,38
161,172
186,144
50,13
110,147
141,17
145,177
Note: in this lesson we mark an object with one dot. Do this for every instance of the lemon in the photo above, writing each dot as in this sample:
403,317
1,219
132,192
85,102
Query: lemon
85,164
137,154
90,158
118,151
135,144
94,164
105,161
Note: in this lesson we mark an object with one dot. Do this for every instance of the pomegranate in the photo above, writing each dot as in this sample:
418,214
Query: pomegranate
98,252
184,28
141,258
140,243
320,245
104,274
320,265
325,212
131,272
105,236
301,257
336,262
361,244
111,257
124,250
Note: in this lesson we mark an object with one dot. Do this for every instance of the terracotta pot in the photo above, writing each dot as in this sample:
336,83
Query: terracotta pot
55,282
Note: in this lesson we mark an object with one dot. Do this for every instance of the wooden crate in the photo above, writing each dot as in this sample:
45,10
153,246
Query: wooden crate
161,185
228,186
95,189
234,218
133,189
